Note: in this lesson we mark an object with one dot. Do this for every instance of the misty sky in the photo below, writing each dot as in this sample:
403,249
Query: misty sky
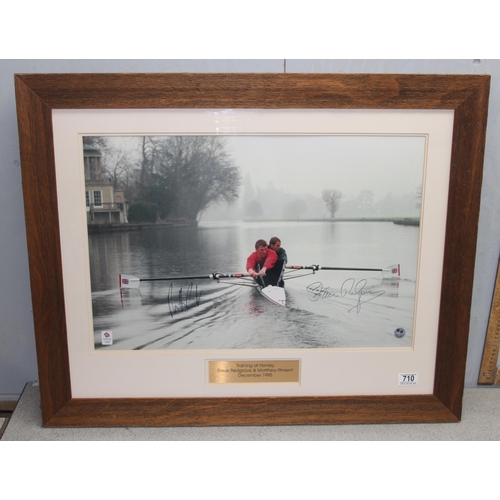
350,164
309,164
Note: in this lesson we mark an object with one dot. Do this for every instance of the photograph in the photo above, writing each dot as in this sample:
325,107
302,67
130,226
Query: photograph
253,241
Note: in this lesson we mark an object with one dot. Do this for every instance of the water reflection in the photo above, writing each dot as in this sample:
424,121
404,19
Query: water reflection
232,316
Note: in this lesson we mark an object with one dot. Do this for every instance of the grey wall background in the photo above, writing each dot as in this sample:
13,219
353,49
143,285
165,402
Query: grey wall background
17,345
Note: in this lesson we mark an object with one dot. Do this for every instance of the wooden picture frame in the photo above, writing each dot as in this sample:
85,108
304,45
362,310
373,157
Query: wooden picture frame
38,94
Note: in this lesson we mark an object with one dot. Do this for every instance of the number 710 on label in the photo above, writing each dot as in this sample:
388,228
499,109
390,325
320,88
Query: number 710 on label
408,379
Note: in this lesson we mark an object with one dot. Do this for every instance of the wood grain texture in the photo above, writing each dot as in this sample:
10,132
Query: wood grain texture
251,411
42,227
152,90
38,94
488,373
466,175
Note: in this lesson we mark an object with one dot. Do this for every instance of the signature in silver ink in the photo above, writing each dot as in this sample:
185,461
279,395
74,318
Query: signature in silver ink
319,292
181,302
350,287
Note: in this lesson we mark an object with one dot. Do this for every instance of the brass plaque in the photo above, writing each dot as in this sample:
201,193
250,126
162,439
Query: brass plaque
253,371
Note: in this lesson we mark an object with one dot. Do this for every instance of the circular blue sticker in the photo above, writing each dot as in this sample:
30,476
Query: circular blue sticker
399,333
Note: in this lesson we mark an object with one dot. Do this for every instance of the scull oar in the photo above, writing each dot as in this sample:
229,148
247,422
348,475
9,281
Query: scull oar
128,281
390,272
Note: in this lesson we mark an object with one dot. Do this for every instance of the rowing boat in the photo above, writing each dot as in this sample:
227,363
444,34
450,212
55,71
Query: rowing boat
274,294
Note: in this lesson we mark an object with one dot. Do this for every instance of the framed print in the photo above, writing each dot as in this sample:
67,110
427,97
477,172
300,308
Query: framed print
148,198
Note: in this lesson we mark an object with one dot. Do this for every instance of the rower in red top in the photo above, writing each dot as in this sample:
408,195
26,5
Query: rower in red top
260,261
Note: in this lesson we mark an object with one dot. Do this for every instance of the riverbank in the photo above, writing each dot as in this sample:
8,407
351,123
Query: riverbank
106,228
406,221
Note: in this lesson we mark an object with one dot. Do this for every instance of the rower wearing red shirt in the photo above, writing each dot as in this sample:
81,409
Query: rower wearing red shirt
260,261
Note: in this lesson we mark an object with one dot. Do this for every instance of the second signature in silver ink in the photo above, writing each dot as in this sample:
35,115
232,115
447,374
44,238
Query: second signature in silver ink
349,288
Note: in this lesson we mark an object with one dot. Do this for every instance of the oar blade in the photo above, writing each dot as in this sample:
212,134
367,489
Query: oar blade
391,272
128,281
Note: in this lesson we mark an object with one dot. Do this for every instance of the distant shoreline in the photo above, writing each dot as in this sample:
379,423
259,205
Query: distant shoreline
106,228
404,221
132,226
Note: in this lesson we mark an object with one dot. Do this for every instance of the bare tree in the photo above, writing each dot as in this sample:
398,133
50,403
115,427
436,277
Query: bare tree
187,174
117,162
180,175
332,199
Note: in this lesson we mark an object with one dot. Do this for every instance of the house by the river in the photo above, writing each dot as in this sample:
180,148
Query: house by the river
105,205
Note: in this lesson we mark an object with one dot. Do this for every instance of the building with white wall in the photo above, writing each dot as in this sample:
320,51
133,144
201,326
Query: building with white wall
105,204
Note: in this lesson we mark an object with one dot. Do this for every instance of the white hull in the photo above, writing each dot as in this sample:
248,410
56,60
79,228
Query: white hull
275,294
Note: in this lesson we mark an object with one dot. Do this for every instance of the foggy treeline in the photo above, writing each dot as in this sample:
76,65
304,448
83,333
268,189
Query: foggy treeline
194,177
270,203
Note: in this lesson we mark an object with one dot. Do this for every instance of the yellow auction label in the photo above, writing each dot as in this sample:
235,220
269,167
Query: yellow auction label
253,371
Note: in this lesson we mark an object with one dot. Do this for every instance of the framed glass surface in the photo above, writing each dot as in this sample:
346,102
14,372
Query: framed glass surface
81,385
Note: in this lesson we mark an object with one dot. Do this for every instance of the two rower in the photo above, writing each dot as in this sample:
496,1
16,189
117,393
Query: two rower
267,263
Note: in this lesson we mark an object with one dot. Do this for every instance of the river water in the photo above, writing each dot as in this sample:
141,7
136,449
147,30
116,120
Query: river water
327,309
